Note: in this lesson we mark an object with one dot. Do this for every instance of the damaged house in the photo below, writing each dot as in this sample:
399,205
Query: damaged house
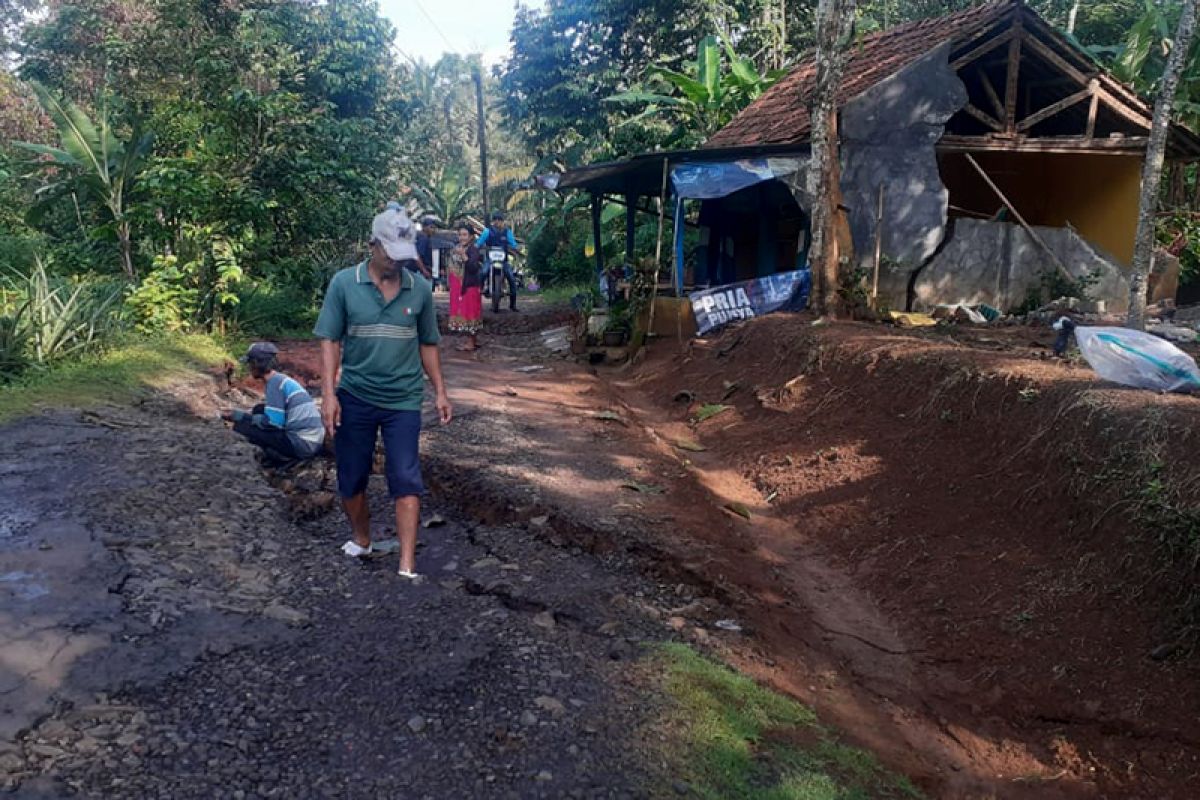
980,151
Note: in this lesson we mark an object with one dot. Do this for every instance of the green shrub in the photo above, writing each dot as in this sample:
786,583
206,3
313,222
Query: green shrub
558,253
45,320
196,288
64,318
165,300
14,344
272,310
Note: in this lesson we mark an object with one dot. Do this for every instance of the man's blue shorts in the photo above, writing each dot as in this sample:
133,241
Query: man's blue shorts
354,446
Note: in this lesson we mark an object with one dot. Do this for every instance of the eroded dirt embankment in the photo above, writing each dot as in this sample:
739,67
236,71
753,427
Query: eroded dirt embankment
1020,537
954,550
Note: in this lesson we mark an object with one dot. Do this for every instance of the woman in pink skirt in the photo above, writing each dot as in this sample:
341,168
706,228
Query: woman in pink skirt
466,290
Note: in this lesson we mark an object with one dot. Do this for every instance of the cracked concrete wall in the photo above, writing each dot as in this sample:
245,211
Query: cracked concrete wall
999,263
889,136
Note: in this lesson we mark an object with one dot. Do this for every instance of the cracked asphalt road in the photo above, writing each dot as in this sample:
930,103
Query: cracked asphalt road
195,641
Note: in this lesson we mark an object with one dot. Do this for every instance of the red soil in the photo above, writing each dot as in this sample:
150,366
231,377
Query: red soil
941,555
952,497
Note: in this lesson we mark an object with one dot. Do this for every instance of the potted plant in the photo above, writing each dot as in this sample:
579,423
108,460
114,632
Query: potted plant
616,330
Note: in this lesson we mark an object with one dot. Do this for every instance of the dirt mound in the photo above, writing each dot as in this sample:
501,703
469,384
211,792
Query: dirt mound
1028,531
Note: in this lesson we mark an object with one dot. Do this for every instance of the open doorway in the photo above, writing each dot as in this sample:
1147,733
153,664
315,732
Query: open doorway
751,233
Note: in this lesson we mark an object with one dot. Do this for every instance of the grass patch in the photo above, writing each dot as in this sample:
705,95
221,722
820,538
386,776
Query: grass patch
118,374
732,739
710,410
561,295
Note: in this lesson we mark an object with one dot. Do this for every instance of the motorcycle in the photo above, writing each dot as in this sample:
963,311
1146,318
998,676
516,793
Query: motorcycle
497,257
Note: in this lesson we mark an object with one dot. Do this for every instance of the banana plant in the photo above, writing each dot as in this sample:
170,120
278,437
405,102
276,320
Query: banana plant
1140,60
449,193
704,98
92,163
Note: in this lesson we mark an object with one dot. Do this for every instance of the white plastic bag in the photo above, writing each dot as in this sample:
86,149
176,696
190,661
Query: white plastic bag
1137,359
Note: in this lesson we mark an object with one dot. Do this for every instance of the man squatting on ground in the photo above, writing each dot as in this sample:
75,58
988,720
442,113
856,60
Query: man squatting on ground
379,323
287,426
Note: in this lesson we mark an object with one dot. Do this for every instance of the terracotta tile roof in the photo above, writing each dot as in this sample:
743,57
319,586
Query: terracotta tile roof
780,116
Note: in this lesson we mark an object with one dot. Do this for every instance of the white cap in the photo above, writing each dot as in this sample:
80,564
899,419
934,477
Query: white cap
394,231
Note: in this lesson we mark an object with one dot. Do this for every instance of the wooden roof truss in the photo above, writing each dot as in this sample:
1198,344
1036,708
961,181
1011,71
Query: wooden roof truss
1030,90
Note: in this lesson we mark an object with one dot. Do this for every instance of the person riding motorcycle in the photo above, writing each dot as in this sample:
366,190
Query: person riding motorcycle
495,238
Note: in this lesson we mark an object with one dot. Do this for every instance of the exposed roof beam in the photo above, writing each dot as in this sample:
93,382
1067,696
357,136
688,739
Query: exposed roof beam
1055,108
993,97
984,117
982,50
1093,108
1084,62
1038,46
1121,109
1014,72
1121,145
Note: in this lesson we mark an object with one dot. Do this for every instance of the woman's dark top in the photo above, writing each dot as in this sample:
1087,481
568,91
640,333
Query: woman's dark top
472,272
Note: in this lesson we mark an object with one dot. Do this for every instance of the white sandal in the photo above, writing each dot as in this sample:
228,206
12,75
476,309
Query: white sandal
415,577
356,550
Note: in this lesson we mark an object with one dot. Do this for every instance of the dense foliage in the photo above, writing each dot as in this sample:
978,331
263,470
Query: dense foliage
215,162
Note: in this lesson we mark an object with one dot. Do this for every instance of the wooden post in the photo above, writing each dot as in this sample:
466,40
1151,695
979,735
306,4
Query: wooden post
1020,220
630,227
1014,72
662,209
1093,109
597,205
878,251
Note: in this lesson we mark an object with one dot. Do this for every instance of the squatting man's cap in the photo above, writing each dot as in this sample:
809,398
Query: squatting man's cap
393,231
260,352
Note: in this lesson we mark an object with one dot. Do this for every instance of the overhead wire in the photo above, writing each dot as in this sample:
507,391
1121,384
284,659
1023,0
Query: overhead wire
436,27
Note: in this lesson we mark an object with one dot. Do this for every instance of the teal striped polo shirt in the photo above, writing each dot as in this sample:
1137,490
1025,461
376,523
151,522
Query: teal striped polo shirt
381,359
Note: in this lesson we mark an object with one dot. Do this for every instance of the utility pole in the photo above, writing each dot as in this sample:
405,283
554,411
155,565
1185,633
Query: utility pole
483,165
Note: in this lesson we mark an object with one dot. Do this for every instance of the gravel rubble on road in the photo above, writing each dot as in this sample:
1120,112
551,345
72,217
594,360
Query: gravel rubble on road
253,660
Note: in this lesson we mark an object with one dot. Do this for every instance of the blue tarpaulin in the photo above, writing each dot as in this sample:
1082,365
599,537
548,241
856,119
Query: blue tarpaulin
710,180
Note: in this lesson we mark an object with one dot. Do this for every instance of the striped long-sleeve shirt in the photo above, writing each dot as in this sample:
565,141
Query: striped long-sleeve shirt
289,406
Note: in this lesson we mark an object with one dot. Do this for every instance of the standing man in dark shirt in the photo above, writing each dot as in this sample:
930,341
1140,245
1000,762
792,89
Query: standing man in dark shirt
429,228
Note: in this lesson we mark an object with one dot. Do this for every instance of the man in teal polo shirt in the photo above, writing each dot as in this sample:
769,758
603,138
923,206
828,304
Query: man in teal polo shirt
379,325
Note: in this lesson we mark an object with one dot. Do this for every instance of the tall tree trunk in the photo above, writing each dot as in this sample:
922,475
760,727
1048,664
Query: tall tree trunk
1073,16
774,22
124,238
1176,186
1156,151
835,23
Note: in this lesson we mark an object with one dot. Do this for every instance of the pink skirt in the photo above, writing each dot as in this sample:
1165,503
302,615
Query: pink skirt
466,310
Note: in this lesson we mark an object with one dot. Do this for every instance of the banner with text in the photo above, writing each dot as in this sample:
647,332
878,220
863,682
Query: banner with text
785,291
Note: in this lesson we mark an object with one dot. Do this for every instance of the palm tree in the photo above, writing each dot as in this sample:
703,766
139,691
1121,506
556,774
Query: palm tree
93,163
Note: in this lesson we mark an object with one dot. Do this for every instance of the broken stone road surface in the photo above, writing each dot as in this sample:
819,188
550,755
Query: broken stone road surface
167,630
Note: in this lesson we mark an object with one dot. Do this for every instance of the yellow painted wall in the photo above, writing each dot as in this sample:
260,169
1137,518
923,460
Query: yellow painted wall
1096,194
